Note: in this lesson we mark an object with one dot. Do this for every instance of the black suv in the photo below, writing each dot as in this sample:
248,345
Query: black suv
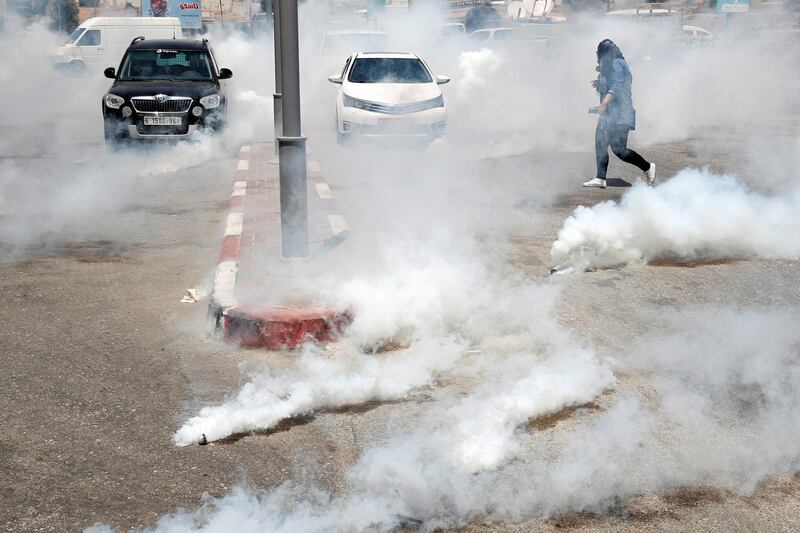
164,89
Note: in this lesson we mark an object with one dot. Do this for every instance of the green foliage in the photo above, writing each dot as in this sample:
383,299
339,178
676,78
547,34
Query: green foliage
39,7
64,15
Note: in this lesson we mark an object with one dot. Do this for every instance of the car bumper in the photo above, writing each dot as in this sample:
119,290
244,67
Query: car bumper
134,132
422,125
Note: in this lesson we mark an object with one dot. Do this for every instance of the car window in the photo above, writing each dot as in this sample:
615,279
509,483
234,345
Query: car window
190,65
74,35
90,38
503,35
388,70
452,29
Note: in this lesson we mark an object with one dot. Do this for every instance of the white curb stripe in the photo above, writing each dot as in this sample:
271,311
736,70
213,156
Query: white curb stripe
225,284
239,188
338,223
234,224
324,191
243,164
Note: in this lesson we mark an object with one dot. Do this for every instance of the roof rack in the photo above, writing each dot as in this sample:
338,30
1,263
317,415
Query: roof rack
137,39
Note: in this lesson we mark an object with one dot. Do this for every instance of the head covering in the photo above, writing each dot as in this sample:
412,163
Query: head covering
607,52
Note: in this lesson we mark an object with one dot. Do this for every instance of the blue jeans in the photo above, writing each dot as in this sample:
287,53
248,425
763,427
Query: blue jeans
617,139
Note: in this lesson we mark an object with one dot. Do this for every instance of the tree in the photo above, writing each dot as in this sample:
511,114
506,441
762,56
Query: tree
64,15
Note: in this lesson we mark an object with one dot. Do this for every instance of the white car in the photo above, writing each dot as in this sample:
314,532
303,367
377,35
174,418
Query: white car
697,35
384,94
453,29
493,34
101,41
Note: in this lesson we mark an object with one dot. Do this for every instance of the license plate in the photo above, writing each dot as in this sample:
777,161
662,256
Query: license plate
162,121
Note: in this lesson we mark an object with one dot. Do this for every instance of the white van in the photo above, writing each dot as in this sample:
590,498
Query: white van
100,41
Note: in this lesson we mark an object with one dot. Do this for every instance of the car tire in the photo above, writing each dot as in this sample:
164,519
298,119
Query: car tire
76,69
114,135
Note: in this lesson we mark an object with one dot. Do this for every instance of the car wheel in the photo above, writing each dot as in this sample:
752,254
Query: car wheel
216,122
114,134
76,69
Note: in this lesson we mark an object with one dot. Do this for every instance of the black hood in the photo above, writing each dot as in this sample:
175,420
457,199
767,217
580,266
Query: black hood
192,89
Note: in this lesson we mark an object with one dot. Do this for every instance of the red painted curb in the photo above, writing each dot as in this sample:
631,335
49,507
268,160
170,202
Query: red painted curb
273,328
278,328
231,245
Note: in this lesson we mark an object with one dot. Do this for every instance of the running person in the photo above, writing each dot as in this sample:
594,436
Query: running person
617,116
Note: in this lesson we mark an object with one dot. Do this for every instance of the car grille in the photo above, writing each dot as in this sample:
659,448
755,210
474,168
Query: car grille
400,109
148,104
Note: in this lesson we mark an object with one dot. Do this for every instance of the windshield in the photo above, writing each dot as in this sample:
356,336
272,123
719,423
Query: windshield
189,65
389,70
503,35
72,37
453,29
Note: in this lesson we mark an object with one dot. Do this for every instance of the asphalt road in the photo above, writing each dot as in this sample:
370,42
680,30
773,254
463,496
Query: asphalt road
101,362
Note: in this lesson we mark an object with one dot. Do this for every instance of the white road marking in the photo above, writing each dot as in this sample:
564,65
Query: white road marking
313,166
225,283
234,224
338,224
243,164
324,191
245,148
239,188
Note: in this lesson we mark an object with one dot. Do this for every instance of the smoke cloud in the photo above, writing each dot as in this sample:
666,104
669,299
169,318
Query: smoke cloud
444,304
695,215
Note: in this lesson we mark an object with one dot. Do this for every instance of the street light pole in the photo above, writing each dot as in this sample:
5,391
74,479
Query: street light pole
292,145
277,107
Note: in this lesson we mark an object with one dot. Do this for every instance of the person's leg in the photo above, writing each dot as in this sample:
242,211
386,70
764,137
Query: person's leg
618,140
601,151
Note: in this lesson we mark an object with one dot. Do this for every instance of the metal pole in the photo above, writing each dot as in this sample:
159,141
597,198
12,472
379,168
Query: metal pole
277,107
292,145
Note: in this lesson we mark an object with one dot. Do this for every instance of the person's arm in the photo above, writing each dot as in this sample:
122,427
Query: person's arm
607,100
617,83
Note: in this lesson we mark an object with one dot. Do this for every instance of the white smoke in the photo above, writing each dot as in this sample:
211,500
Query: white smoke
718,411
695,215
321,380
430,301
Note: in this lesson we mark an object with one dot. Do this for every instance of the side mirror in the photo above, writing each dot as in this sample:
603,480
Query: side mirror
335,79
110,72
441,80
225,73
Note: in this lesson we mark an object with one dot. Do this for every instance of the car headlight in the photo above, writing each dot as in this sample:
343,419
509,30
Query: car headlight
211,101
432,103
429,104
113,101
349,101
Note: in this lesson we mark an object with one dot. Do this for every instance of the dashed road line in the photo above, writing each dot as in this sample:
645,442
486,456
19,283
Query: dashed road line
338,224
323,190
